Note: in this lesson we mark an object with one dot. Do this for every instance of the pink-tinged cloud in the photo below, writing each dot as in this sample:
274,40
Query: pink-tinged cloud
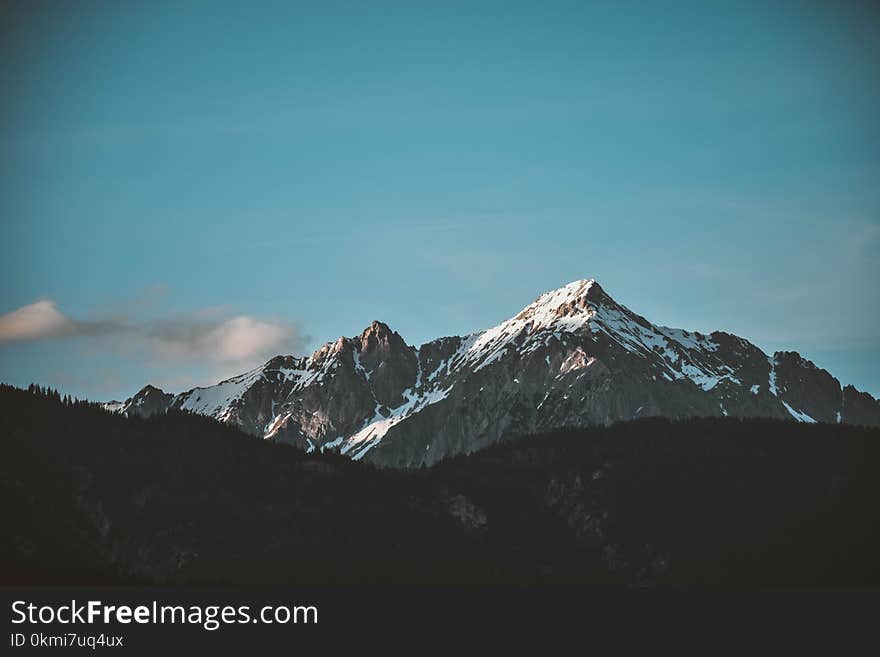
199,336
237,339
36,321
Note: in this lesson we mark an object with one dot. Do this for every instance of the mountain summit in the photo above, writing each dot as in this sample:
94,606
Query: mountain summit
573,357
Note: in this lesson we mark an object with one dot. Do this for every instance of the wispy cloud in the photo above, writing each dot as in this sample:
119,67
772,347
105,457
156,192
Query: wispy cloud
202,336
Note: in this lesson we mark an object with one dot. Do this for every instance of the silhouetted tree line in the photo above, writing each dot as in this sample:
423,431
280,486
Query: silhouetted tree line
52,394
94,497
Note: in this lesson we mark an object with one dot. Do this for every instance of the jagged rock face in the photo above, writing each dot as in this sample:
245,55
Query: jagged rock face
149,400
574,357
391,364
859,408
803,385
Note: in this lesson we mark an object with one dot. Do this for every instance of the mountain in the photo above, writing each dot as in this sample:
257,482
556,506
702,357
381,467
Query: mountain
572,358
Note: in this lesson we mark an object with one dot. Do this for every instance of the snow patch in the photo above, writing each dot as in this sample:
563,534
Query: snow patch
220,400
771,380
798,415
375,429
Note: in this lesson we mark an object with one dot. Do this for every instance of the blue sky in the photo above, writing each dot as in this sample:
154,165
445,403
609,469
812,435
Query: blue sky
172,177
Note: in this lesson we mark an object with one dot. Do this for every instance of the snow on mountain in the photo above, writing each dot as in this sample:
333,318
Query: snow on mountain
376,428
218,401
573,357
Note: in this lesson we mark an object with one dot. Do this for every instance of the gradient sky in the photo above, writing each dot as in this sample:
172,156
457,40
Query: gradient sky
174,177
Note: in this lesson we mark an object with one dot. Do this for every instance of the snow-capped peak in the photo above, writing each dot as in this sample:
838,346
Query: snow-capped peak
566,309
566,301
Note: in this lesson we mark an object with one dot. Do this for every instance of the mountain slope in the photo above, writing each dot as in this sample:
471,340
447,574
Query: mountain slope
572,358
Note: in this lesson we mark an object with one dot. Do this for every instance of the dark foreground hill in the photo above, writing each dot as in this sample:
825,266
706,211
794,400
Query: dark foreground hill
92,497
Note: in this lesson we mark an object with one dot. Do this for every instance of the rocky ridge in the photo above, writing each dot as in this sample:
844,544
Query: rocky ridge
574,357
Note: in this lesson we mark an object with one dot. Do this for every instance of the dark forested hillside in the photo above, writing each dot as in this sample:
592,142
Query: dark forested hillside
91,497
